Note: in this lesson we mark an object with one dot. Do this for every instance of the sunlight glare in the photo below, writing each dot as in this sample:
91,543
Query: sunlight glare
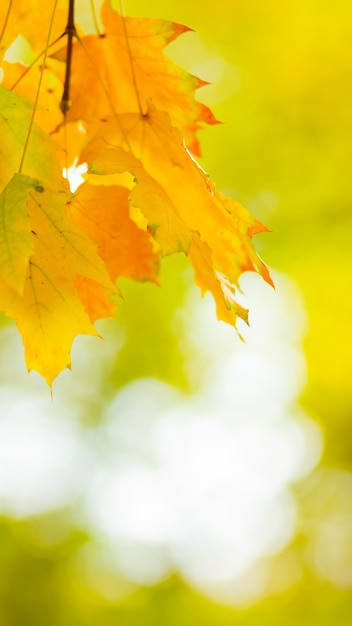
205,479
74,175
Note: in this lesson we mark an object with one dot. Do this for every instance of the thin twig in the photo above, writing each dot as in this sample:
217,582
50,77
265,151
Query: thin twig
71,32
95,19
6,20
129,52
34,62
66,152
25,147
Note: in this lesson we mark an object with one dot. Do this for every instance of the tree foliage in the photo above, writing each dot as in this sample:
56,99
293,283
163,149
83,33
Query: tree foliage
116,102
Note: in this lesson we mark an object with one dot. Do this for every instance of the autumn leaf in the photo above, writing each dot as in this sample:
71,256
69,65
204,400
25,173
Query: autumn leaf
128,64
127,249
49,312
104,214
186,192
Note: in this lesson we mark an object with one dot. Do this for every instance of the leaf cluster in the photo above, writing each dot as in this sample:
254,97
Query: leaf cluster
115,102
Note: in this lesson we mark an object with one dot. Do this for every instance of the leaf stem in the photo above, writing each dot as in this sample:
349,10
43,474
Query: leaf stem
29,67
71,32
6,20
95,20
25,147
129,52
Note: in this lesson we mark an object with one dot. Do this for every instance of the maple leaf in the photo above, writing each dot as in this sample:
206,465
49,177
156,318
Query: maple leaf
167,175
47,308
126,248
128,64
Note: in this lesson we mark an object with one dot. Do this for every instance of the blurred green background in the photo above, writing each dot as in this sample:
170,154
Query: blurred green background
179,476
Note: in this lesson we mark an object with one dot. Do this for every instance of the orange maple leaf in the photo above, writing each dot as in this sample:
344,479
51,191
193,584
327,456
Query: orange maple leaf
121,70
127,249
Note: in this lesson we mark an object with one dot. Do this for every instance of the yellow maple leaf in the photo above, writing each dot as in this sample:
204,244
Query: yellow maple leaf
49,312
152,149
